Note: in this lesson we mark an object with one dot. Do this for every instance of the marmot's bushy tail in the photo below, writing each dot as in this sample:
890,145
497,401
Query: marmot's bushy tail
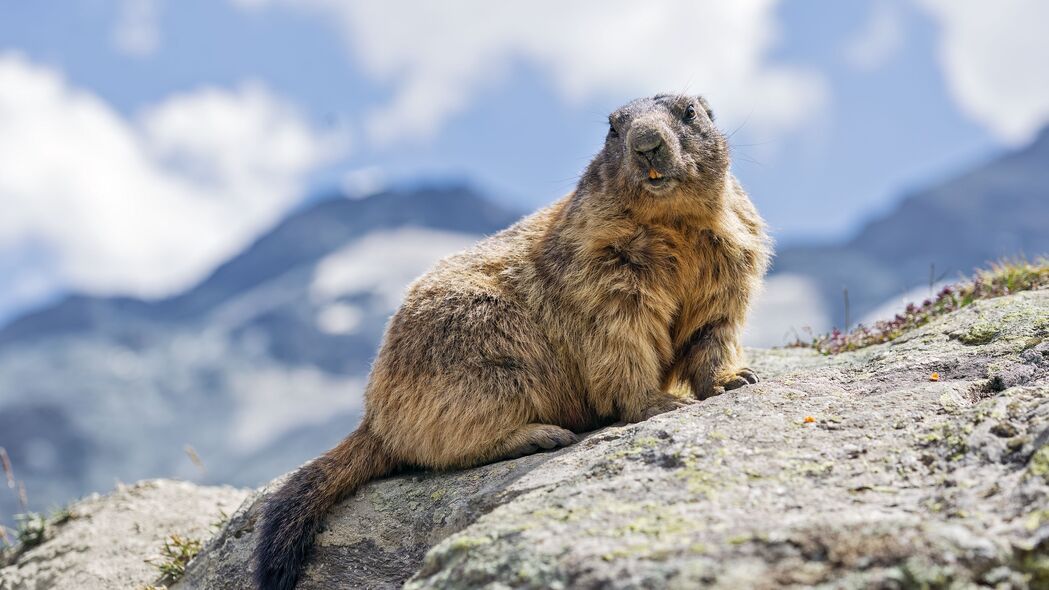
292,516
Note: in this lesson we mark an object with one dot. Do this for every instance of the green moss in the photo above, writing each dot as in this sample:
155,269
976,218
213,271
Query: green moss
1028,343
952,438
645,442
656,522
1035,519
1036,565
930,437
645,525
699,548
557,513
981,332
1039,464
636,447
635,550
1041,324
465,542
698,481
530,574
438,494
919,573
812,468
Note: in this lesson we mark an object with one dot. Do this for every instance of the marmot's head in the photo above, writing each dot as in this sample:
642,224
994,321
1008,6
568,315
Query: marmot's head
661,144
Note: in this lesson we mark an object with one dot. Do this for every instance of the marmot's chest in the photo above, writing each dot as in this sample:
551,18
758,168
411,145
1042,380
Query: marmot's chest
684,277
678,259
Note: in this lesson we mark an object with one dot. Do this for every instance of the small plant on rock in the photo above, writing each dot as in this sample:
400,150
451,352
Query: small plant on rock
1001,279
31,529
175,555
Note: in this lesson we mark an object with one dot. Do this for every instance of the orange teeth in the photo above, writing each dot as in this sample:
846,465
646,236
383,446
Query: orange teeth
652,174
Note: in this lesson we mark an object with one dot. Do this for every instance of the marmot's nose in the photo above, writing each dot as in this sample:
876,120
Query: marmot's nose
647,142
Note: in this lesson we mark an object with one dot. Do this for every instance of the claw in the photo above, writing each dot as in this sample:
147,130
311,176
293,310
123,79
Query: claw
735,383
557,440
749,375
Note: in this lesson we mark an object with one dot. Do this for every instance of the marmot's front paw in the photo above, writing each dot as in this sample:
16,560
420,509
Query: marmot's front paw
732,381
742,377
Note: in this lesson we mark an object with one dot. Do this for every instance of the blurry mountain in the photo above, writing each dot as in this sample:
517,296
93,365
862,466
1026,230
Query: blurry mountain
257,368
999,209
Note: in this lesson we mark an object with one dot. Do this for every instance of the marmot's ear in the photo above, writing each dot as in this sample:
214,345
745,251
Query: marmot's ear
706,106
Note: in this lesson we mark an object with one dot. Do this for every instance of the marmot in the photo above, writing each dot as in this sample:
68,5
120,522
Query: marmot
585,312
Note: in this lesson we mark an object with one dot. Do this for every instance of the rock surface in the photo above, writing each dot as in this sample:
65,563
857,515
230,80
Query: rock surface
859,470
856,470
105,541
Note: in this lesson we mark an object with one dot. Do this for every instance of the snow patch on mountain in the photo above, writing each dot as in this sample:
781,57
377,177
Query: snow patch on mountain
274,401
384,263
790,305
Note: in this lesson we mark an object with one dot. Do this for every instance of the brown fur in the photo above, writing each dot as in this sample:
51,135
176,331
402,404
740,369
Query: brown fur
585,312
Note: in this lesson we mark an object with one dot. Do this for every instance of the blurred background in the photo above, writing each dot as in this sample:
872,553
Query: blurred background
209,208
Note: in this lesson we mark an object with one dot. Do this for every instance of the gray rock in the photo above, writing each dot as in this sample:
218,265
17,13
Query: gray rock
895,481
104,542
849,471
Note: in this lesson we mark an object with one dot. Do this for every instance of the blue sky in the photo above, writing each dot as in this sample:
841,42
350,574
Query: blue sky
234,111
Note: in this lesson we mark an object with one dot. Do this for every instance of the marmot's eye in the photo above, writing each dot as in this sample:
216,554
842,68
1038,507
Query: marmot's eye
690,113
612,128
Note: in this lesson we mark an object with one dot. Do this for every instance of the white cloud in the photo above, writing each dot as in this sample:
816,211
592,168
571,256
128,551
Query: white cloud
436,56
880,39
339,318
994,55
143,206
137,31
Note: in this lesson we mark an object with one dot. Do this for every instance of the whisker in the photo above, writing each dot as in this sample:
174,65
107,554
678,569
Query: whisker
741,125
748,160
688,84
